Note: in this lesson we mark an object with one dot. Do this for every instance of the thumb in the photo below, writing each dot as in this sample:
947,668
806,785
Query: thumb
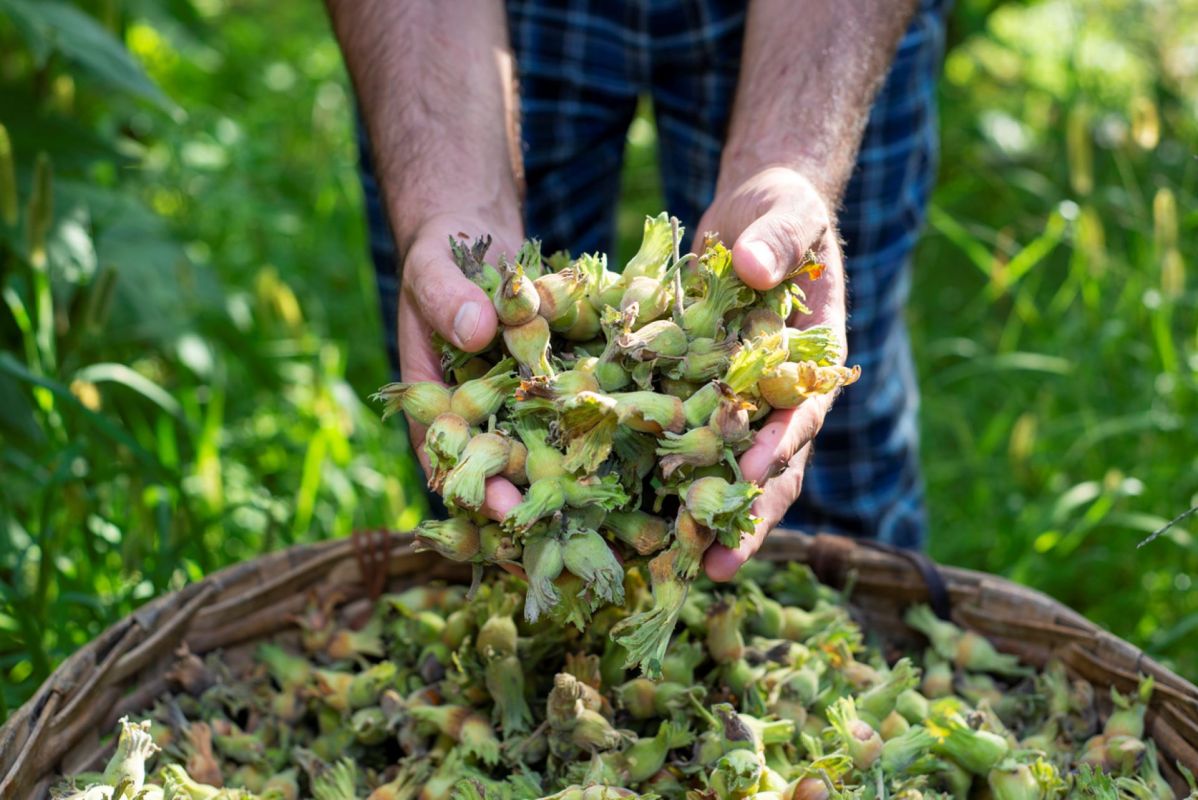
771,248
451,304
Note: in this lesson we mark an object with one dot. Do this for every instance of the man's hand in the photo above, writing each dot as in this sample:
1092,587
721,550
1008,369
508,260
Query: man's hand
436,297
435,81
808,76
774,217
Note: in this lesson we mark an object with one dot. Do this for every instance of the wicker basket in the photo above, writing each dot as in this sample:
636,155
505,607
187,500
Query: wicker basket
122,671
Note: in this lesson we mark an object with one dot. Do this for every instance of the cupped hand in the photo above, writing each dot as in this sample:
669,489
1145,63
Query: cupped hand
436,297
775,217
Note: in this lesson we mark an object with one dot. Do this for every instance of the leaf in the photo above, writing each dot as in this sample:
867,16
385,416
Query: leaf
51,26
73,147
1031,255
177,20
131,379
150,265
29,31
1180,631
17,417
944,223
9,203
1017,361
101,423
1078,495
70,249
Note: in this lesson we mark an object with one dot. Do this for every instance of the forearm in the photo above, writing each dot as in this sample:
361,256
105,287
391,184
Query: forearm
436,85
809,74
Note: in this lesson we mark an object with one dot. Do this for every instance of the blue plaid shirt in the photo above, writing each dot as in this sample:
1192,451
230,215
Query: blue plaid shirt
583,65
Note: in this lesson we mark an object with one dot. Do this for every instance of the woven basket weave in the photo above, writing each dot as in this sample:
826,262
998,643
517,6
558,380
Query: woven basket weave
122,671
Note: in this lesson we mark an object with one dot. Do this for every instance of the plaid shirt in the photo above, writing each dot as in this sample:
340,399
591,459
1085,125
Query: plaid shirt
584,63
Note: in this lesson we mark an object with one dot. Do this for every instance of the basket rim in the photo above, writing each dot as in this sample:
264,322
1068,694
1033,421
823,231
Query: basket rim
250,593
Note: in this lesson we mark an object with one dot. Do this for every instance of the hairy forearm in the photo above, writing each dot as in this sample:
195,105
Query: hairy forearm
809,74
436,85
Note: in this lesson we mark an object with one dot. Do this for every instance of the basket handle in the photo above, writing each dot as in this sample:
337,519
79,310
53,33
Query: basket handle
372,551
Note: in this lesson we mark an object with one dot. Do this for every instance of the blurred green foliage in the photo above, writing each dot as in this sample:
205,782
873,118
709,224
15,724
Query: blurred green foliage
1055,324
188,321
188,327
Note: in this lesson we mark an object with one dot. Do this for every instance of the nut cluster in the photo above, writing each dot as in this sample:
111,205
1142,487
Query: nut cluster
619,402
768,692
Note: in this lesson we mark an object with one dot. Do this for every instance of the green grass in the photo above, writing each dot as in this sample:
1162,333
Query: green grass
1056,332
214,261
181,384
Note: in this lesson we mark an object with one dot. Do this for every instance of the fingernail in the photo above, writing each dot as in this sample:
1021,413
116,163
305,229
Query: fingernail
764,256
465,323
